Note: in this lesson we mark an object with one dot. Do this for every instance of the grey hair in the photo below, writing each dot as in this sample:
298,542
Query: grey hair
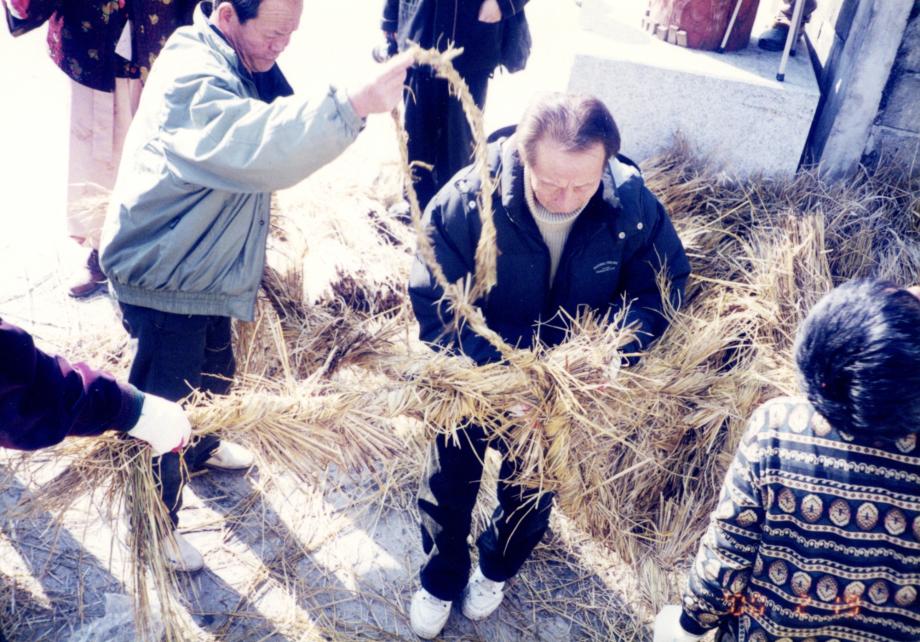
576,121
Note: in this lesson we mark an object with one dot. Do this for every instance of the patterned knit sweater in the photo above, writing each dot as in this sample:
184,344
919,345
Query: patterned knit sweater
816,537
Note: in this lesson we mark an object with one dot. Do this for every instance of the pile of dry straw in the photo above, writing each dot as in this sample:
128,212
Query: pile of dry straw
635,460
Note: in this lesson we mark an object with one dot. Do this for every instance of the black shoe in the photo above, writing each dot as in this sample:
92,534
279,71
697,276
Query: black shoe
95,281
773,39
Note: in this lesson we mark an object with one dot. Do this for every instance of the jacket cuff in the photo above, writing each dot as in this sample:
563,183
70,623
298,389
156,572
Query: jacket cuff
346,111
132,401
691,626
15,15
20,24
390,16
13,22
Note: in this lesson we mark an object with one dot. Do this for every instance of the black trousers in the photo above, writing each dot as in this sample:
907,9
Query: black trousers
439,134
178,353
446,499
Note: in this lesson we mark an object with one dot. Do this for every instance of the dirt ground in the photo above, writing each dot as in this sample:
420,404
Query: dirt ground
336,560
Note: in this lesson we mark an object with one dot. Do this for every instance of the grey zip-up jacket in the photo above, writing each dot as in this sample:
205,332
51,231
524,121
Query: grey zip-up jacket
189,218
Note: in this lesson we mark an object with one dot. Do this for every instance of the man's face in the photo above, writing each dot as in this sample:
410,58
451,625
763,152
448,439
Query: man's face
563,181
259,41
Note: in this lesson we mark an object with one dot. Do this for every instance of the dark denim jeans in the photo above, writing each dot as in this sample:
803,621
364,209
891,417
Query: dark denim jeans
446,498
178,353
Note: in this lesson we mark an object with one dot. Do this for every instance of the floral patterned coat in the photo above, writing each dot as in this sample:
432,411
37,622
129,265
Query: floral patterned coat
83,34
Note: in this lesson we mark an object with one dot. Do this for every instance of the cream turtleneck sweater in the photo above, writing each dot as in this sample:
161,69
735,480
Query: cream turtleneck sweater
554,228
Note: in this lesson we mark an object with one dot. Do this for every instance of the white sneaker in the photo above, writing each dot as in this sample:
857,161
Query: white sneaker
230,456
482,596
428,614
181,555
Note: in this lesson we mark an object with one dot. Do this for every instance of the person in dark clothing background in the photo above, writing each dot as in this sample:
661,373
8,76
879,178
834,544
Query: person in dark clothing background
576,227
439,135
774,38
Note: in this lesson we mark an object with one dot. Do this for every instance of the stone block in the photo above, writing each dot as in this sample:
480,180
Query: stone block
894,146
728,106
909,54
832,18
826,46
853,94
830,71
902,104
845,17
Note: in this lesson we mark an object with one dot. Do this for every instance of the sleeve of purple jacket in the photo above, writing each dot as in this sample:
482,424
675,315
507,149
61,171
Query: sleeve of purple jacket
44,398
22,16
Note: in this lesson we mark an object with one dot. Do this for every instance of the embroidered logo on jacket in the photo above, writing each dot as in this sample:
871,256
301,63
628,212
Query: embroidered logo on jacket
605,266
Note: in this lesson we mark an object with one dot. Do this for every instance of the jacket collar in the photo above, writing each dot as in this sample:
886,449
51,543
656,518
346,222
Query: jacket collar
511,176
507,166
214,38
610,185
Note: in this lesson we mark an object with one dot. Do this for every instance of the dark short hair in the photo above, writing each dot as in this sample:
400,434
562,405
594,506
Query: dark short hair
576,121
245,9
858,352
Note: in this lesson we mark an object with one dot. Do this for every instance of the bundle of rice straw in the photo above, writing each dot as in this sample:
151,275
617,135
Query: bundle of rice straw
638,460
296,340
639,463
636,456
116,469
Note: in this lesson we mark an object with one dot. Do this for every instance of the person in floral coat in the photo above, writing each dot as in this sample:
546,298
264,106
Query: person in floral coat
106,48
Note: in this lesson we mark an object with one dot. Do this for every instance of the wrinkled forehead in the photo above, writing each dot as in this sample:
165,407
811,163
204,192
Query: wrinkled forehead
282,16
555,162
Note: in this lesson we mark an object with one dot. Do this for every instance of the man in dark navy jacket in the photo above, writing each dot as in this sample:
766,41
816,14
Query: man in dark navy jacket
576,228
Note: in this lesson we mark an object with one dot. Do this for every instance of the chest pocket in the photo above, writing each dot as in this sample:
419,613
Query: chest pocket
594,272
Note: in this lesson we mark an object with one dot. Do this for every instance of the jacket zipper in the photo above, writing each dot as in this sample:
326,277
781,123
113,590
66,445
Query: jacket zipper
547,259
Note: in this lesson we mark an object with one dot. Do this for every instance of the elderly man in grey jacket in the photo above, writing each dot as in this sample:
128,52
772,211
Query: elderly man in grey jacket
217,131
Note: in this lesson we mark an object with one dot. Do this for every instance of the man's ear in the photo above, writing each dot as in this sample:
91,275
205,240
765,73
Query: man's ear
226,14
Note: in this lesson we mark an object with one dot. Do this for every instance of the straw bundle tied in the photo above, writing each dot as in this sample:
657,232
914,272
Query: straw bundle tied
639,463
636,455
296,340
116,470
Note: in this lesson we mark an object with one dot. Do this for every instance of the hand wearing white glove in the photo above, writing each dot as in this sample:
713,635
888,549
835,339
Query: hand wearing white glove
668,628
163,425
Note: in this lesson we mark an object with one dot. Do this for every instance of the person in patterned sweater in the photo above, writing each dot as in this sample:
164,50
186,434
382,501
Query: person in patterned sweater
817,532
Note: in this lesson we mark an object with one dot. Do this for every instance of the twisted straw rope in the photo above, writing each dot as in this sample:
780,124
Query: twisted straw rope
461,294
